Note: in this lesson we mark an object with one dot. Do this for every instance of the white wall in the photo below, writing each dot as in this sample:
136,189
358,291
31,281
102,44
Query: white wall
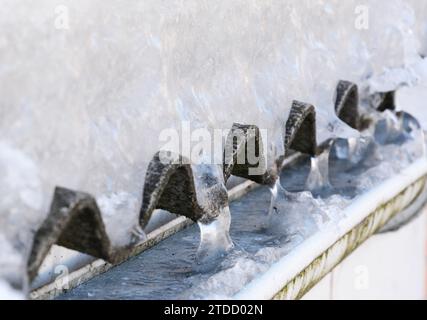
387,266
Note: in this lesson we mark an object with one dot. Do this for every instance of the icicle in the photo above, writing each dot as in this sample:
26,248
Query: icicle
196,191
318,178
349,144
396,128
388,128
341,148
274,192
352,150
279,195
215,239
284,217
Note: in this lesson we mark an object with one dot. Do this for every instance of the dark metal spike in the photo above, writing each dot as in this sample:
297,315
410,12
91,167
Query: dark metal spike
347,102
243,141
170,184
74,222
383,101
300,131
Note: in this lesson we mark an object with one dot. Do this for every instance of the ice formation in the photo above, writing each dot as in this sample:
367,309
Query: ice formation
88,87
318,177
215,239
299,217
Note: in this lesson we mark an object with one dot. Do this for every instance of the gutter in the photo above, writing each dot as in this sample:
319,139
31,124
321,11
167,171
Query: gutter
82,267
296,273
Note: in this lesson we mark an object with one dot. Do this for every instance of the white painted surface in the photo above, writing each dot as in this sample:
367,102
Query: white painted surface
322,291
386,266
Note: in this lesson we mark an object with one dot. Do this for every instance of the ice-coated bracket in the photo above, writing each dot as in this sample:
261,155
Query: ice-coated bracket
346,103
170,185
244,155
300,129
173,184
196,191
74,222
382,101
